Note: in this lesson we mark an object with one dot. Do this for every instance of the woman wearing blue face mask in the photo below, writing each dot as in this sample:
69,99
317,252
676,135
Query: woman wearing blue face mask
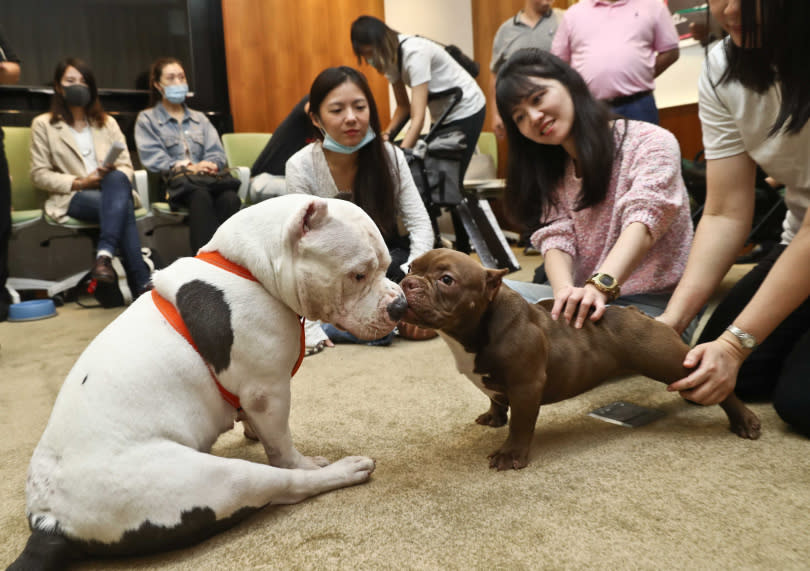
353,161
68,146
171,136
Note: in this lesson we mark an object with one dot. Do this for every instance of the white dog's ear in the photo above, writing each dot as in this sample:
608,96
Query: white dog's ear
313,216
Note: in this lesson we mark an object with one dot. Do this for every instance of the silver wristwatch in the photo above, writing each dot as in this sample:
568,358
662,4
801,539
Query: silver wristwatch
747,340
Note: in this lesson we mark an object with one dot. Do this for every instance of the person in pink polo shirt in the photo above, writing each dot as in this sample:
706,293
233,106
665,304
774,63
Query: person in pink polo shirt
619,47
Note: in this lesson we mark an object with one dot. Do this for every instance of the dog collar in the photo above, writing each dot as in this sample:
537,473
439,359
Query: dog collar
172,316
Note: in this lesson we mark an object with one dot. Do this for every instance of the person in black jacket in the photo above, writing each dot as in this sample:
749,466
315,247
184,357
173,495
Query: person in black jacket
294,133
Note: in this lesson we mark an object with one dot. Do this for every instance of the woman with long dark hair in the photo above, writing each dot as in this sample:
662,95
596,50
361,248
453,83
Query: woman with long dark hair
429,70
353,162
754,98
604,195
68,147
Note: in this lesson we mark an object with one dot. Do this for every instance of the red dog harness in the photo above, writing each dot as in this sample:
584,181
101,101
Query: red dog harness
171,315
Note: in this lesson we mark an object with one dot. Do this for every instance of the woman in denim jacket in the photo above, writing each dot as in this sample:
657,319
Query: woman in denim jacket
169,136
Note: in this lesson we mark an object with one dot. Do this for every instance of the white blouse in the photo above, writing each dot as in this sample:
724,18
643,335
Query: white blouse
308,172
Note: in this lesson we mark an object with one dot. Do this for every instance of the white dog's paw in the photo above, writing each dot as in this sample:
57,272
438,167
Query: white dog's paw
356,469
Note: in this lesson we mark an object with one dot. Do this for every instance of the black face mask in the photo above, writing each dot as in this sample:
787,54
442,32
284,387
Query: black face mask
76,95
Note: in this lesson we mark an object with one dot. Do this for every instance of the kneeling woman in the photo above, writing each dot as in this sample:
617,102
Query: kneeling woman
604,193
353,162
68,145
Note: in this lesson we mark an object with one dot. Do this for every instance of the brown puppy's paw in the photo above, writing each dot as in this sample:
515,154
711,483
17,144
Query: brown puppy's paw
509,459
747,426
490,418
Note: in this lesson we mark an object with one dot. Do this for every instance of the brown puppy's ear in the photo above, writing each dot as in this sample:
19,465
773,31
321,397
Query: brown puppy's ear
494,278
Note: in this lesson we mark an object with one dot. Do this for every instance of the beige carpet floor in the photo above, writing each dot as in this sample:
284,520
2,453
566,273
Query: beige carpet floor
680,493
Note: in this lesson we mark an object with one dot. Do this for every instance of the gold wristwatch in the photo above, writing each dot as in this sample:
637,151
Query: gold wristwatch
605,283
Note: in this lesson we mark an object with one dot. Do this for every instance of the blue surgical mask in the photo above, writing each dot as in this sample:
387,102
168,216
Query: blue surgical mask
176,93
330,144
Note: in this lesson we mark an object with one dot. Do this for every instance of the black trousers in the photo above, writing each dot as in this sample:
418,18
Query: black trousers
779,369
471,127
5,220
206,212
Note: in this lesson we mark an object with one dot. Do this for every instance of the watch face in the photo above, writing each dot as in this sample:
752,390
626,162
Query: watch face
606,280
747,342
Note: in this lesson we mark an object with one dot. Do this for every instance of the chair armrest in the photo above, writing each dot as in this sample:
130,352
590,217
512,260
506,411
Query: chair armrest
142,187
244,180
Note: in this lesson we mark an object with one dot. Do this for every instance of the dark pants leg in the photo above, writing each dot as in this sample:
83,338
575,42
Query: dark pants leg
400,249
778,368
643,109
206,213
471,127
113,210
5,226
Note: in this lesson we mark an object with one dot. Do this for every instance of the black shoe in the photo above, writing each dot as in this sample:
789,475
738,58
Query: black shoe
103,270
3,310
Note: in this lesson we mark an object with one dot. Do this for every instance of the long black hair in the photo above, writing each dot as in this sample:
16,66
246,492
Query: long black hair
59,110
374,183
371,31
535,171
775,49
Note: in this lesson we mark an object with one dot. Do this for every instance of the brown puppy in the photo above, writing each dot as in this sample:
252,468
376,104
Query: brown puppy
520,357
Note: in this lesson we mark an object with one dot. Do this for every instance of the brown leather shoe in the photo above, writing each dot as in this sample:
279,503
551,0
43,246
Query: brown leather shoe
103,270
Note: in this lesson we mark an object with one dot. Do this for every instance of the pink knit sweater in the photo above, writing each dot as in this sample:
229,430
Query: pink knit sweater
645,186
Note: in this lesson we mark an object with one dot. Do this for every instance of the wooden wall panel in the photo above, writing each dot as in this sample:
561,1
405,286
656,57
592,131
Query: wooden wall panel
684,123
275,48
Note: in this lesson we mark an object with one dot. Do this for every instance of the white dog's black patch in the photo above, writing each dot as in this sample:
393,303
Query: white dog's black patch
196,525
208,318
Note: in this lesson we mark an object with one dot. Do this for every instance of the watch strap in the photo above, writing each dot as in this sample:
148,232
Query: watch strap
747,341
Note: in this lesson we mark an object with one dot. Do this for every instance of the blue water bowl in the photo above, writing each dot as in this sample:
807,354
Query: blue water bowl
31,310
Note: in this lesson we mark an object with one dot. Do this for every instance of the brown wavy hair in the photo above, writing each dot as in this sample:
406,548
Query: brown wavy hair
96,116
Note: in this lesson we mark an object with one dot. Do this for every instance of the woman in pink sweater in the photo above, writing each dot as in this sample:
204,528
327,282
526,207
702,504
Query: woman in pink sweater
603,194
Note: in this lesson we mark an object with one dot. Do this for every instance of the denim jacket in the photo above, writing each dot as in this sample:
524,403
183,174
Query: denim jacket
160,139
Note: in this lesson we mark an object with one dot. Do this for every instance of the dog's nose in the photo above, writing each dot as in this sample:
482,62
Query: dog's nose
397,308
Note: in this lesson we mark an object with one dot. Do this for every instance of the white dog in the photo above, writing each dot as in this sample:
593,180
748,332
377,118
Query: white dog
123,468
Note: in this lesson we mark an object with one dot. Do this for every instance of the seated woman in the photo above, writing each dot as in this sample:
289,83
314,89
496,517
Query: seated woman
68,145
292,134
354,162
171,136
606,192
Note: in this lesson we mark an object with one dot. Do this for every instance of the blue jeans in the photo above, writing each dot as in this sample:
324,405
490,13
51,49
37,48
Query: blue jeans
113,210
643,109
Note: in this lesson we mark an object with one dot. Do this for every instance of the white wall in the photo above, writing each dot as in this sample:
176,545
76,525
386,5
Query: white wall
446,21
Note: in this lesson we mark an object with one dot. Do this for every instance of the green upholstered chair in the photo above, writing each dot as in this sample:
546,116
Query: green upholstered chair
488,145
242,150
26,201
